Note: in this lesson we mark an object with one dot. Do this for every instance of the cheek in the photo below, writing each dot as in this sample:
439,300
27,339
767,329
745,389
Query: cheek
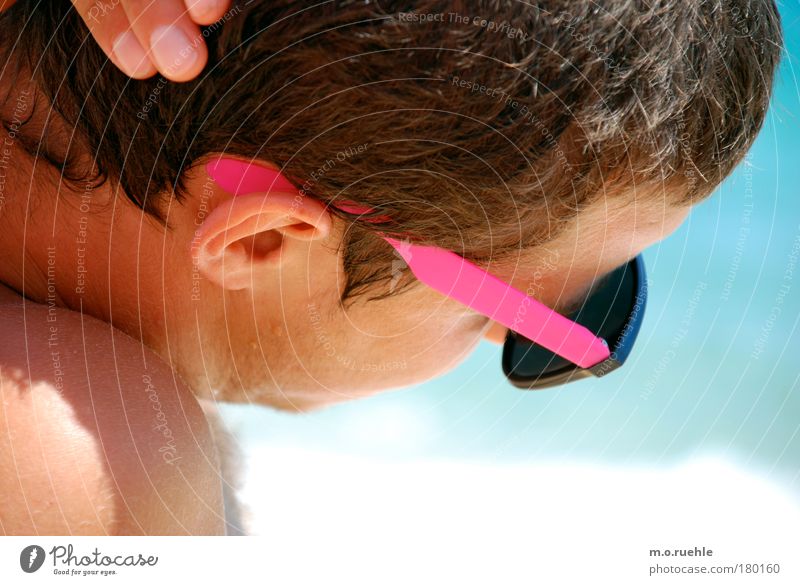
329,354
408,339
434,350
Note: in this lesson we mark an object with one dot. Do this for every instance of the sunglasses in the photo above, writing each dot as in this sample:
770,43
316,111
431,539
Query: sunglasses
542,348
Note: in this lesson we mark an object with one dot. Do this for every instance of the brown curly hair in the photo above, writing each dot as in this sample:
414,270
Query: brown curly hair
477,125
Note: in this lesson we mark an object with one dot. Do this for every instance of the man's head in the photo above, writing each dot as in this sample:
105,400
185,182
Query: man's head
549,143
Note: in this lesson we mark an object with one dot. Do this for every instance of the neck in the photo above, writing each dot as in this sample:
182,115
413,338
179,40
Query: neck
91,250
72,249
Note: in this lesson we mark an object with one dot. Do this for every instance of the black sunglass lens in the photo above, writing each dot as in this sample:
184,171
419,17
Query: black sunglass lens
605,313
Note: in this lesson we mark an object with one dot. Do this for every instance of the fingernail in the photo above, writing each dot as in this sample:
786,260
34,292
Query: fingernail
130,55
203,10
172,50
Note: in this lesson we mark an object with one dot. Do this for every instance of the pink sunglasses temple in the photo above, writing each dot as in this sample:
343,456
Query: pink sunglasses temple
461,280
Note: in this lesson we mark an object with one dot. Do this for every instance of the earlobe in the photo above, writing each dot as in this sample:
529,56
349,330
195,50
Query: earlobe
248,234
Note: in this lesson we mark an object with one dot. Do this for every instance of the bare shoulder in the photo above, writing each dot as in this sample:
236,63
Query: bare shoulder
97,434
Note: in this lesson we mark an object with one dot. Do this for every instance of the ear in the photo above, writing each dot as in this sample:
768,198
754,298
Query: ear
248,234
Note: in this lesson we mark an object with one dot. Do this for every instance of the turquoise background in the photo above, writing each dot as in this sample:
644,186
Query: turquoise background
716,370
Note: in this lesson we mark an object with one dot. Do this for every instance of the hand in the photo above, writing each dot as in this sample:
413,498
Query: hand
143,37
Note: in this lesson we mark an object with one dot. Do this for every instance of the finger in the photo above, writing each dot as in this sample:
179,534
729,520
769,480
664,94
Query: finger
174,42
109,26
207,11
